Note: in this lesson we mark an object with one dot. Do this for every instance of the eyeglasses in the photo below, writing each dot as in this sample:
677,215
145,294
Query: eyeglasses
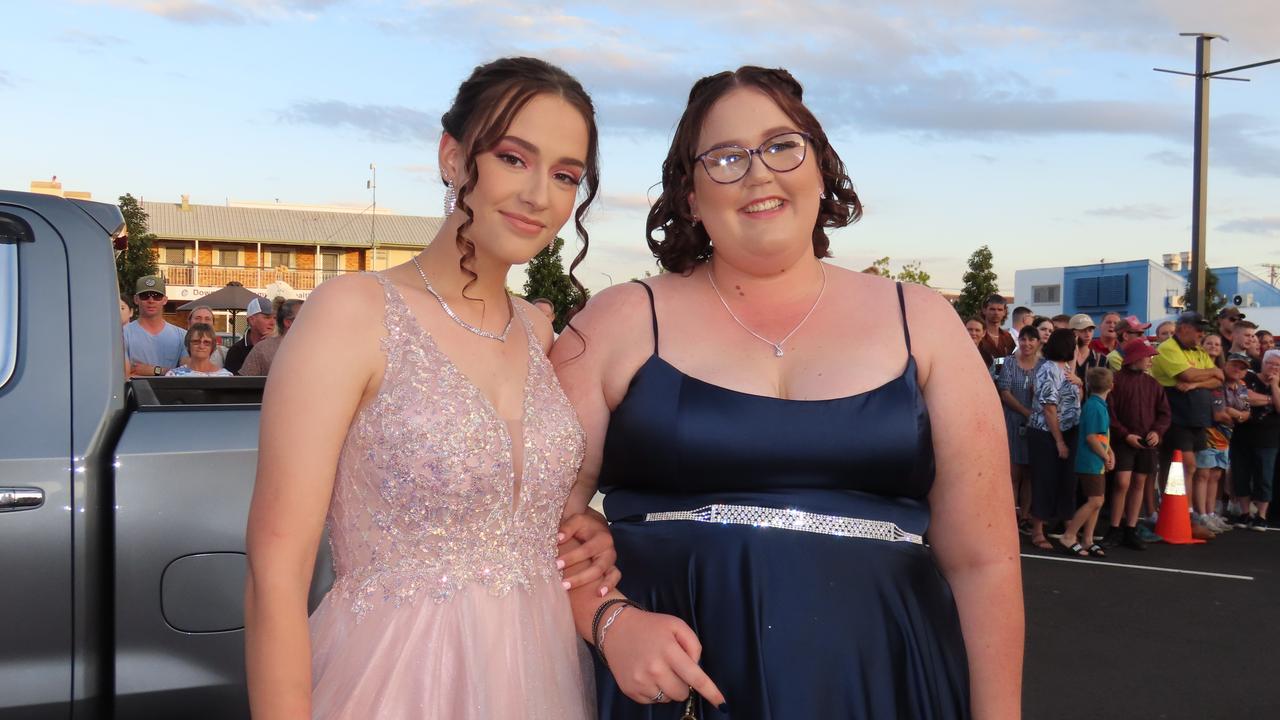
150,296
780,153
202,341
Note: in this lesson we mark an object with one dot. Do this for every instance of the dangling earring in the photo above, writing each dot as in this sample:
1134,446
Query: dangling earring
696,220
450,198
822,194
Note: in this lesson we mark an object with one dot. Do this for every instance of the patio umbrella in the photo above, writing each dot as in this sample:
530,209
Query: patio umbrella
234,297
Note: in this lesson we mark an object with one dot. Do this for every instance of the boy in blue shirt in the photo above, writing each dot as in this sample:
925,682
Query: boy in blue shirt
1093,460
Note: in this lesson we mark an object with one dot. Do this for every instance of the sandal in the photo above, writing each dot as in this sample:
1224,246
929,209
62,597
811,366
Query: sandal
1096,550
1074,550
1041,543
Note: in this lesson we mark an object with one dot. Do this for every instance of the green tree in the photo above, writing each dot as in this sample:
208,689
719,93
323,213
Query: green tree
547,279
913,273
880,267
1214,301
979,283
137,259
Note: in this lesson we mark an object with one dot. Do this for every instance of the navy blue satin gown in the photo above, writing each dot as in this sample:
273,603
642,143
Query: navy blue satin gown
794,625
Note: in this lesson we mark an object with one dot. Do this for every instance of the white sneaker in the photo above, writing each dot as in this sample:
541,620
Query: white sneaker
1217,524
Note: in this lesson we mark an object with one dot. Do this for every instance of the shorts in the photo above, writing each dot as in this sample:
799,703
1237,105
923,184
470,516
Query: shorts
1186,439
1211,458
1092,485
1129,458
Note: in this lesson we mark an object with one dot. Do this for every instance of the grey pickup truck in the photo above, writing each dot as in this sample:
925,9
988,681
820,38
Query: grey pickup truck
122,504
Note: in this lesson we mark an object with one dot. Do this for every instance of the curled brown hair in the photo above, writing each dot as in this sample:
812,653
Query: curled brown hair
684,244
480,116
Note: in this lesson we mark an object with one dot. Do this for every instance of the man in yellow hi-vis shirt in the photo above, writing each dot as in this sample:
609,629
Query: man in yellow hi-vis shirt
1188,375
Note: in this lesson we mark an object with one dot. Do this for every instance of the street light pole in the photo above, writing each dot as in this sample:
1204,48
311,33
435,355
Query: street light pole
1200,164
1200,171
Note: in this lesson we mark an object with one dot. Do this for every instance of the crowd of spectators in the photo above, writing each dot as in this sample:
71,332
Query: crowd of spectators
1095,412
154,347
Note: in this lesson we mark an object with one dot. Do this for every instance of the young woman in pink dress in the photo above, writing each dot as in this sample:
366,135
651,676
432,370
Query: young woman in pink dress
439,448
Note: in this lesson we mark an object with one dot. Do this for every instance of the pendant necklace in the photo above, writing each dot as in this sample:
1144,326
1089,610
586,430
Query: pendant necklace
777,346
466,325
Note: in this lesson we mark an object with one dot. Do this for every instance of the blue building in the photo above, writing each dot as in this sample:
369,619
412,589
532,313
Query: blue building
1152,291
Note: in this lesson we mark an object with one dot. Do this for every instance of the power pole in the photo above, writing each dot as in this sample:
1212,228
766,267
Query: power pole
1200,165
372,185
1273,271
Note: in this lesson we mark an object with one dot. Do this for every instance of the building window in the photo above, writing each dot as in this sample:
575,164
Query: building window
276,258
173,254
1046,294
227,257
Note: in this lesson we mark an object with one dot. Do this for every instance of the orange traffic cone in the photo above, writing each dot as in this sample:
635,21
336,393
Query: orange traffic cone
1174,524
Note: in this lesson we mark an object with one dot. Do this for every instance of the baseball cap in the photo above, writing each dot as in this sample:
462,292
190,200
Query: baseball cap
1080,321
258,305
149,283
1240,358
1231,312
1137,349
1131,324
1191,317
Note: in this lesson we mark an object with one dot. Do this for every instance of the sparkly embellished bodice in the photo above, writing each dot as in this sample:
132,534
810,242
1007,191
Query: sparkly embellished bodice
426,499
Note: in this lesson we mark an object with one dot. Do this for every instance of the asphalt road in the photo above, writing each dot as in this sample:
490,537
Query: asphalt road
1127,638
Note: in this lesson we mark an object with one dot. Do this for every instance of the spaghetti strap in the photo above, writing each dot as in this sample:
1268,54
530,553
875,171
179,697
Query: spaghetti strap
902,306
653,312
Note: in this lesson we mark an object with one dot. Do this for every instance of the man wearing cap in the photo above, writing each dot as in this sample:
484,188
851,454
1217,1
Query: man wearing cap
153,346
259,359
262,324
1188,375
1139,417
1127,330
1227,319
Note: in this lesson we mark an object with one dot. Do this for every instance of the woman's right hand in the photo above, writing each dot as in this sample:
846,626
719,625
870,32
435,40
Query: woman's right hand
648,652
1063,450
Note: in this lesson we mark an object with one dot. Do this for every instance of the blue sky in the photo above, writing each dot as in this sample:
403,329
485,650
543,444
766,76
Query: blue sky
1036,127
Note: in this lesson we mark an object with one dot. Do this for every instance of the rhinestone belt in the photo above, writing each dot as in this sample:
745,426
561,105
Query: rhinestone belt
788,519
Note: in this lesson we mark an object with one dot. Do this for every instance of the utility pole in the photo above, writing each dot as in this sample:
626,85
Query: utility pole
1273,271
372,185
1200,165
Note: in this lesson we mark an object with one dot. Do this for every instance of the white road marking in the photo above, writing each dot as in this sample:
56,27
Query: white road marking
1107,563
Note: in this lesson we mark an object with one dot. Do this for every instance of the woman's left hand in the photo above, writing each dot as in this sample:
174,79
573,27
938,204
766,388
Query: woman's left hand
585,537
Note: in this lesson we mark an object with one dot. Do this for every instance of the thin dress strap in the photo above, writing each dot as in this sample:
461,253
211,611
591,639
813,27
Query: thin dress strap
902,306
653,312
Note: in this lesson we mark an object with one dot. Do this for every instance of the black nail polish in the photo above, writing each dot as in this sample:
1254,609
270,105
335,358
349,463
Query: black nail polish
724,707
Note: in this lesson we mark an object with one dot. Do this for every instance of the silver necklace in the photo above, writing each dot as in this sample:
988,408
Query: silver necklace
466,325
777,346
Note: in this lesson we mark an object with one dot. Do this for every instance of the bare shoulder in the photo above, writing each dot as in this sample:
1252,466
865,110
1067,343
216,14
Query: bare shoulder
350,307
936,331
542,328
611,317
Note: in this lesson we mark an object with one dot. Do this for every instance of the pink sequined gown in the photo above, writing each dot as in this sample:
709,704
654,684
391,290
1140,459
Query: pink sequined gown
447,602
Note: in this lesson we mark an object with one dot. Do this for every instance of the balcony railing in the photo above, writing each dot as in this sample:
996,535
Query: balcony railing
216,276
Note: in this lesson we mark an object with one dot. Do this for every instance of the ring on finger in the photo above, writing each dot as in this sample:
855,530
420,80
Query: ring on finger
660,697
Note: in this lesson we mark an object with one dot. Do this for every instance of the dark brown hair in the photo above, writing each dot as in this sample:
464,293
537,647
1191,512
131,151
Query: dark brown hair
1061,345
684,244
480,116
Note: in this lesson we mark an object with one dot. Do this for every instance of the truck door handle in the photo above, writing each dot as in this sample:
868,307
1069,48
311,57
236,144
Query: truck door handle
20,498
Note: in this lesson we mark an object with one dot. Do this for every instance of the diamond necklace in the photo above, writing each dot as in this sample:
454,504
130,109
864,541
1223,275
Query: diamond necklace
777,346
466,325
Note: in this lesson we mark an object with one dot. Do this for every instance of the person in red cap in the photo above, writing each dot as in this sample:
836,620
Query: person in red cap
1139,418
1129,328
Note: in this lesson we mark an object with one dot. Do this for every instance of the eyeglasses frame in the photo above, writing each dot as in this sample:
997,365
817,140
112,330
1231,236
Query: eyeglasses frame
751,153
